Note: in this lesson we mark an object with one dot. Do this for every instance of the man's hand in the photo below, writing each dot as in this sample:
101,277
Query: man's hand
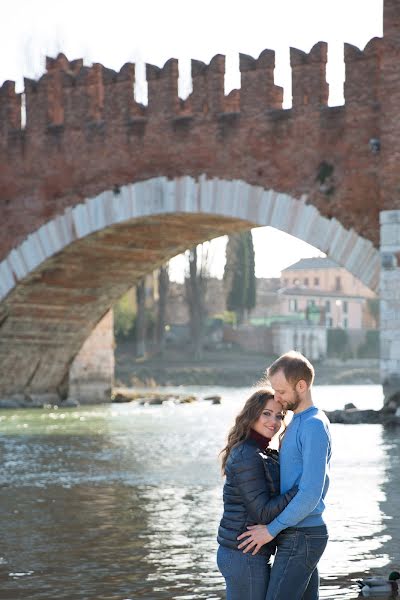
257,536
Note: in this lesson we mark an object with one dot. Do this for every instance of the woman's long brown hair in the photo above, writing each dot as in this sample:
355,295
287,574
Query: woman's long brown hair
250,412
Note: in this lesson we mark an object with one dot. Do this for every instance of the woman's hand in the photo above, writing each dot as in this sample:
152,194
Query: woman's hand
257,536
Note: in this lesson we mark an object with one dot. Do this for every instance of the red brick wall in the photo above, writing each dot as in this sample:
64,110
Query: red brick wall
85,133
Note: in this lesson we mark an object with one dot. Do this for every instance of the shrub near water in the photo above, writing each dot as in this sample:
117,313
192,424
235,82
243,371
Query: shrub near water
124,317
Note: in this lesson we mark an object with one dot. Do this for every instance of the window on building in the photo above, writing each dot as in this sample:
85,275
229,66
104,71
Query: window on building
345,323
293,305
296,281
285,281
345,306
310,302
305,280
338,283
329,322
316,280
328,306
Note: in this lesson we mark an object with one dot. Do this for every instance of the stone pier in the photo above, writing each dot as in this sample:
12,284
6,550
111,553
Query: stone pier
390,306
92,371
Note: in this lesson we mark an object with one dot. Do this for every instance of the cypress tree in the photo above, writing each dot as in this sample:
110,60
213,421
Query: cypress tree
239,274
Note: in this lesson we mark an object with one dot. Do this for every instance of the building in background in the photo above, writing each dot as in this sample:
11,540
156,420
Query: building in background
317,289
317,307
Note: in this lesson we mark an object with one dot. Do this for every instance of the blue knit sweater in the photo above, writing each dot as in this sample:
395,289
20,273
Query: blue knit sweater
304,460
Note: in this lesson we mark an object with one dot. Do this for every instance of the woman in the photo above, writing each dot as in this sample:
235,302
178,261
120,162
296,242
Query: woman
250,494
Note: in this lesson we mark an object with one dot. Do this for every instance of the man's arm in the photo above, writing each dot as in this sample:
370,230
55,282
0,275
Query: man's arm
315,453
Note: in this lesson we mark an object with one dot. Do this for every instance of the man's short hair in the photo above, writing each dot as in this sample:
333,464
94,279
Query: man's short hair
294,366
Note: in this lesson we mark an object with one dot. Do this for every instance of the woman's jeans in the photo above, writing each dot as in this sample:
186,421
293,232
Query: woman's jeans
294,574
246,576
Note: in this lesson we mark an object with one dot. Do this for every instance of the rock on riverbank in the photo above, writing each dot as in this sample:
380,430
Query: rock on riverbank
353,416
152,398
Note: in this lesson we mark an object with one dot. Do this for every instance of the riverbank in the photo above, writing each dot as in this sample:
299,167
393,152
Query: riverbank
228,367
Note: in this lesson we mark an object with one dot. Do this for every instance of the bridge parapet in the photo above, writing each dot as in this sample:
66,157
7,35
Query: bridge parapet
70,94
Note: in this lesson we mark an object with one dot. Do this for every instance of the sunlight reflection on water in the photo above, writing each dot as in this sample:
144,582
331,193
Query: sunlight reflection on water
128,499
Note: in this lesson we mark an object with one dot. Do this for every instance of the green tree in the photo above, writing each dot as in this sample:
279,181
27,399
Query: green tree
239,275
124,317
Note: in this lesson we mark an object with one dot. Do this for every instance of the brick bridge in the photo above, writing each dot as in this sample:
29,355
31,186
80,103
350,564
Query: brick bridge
96,190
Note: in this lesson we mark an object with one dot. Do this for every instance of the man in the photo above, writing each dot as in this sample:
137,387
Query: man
304,460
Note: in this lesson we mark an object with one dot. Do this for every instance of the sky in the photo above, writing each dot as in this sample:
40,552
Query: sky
153,31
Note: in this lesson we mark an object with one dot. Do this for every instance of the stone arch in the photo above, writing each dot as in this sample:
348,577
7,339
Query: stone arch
201,208
158,196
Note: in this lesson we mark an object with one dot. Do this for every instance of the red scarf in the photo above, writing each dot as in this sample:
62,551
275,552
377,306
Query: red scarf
261,441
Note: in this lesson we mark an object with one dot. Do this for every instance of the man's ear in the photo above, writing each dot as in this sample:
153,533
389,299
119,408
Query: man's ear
301,386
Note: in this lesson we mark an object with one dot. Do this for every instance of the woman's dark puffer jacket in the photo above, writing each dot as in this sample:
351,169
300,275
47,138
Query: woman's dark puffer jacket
251,493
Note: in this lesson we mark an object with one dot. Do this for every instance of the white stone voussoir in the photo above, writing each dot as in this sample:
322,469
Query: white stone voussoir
232,199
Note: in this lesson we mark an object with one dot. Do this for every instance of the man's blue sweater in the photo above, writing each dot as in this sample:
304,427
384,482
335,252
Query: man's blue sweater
304,460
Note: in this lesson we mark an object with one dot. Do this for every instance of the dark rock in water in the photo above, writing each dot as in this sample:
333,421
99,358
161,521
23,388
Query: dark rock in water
349,405
150,398
391,391
119,398
185,400
156,401
214,399
354,416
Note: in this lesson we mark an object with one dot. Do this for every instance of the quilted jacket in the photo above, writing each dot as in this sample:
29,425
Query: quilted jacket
251,493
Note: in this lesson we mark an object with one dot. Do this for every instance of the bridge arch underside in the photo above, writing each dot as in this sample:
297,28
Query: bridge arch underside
63,279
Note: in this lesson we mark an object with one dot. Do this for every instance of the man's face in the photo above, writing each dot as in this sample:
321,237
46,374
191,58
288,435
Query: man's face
285,392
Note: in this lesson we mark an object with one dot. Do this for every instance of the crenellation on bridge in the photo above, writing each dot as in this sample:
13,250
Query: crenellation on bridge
309,85
208,82
363,73
37,94
10,110
163,99
258,89
72,94
61,63
257,83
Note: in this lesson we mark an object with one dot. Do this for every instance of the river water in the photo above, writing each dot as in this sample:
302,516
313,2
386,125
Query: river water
123,501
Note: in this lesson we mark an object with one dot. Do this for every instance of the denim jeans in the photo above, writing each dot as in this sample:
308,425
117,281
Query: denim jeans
294,574
246,576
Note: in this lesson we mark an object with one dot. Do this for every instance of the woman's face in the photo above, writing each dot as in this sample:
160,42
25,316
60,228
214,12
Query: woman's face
270,420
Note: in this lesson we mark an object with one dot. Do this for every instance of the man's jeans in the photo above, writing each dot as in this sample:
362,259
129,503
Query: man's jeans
246,576
294,574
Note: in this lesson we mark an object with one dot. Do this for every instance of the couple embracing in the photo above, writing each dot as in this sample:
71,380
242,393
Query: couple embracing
273,504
